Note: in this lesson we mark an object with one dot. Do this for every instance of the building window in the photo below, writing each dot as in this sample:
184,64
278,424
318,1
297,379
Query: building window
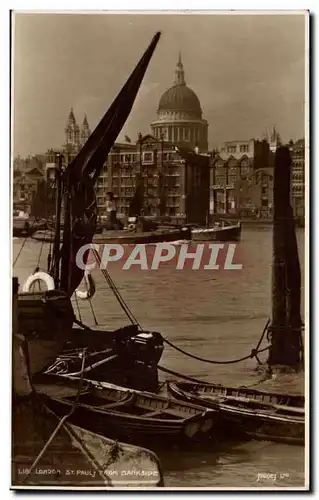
231,149
147,157
244,148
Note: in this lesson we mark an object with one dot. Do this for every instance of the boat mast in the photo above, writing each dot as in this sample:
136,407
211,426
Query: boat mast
56,245
66,272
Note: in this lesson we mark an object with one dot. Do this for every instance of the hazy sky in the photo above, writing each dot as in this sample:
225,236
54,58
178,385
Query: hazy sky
248,72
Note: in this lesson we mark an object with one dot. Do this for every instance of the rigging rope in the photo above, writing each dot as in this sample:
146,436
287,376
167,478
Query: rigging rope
24,242
90,302
78,307
62,421
52,186
93,313
82,445
40,253
116,292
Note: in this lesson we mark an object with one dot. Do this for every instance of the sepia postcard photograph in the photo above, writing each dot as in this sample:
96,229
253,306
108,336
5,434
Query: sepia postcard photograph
159,212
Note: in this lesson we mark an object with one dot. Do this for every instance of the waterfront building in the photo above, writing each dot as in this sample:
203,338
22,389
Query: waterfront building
175,179
297,151
25,185
232,176
27,174
263,192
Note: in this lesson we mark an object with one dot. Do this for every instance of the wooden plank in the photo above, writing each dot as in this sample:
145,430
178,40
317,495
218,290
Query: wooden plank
152,414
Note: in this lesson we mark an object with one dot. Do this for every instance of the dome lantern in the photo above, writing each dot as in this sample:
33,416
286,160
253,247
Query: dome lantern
179,72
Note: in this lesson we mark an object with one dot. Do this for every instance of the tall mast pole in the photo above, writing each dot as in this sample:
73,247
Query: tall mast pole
56,246
67,242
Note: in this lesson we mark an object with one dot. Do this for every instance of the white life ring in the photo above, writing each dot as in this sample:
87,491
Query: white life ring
131,227
90,287
39,276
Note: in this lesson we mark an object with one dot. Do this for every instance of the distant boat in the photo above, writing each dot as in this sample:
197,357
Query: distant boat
128,236
23,225
144,237
220,231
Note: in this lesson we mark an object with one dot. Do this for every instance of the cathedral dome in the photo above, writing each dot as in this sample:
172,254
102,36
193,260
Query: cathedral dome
179,115
180,98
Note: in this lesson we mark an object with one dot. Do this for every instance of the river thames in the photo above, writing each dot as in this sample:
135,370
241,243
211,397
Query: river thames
214,314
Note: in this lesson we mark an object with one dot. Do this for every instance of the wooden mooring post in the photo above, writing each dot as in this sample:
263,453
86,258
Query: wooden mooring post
286,343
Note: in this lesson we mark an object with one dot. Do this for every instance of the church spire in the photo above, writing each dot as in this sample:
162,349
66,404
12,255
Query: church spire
85,130
72,131
71,119
179,72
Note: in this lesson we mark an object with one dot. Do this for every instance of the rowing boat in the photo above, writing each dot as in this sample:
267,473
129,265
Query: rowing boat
253,413
123,413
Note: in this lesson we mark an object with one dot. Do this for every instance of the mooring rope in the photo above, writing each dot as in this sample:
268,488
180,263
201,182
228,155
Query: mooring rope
186,377
62,421
253,354
78,307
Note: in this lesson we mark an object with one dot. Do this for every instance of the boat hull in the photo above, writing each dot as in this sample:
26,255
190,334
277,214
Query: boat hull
255,421
152,237
121,413
89,459
45,321
128,237
223,234
126,357
266,428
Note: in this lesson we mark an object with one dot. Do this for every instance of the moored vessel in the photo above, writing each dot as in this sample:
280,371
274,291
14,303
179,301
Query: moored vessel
45,319
76,457
221,231
122,413
252,413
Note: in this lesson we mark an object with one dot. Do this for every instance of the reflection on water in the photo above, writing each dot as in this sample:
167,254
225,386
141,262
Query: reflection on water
214,314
